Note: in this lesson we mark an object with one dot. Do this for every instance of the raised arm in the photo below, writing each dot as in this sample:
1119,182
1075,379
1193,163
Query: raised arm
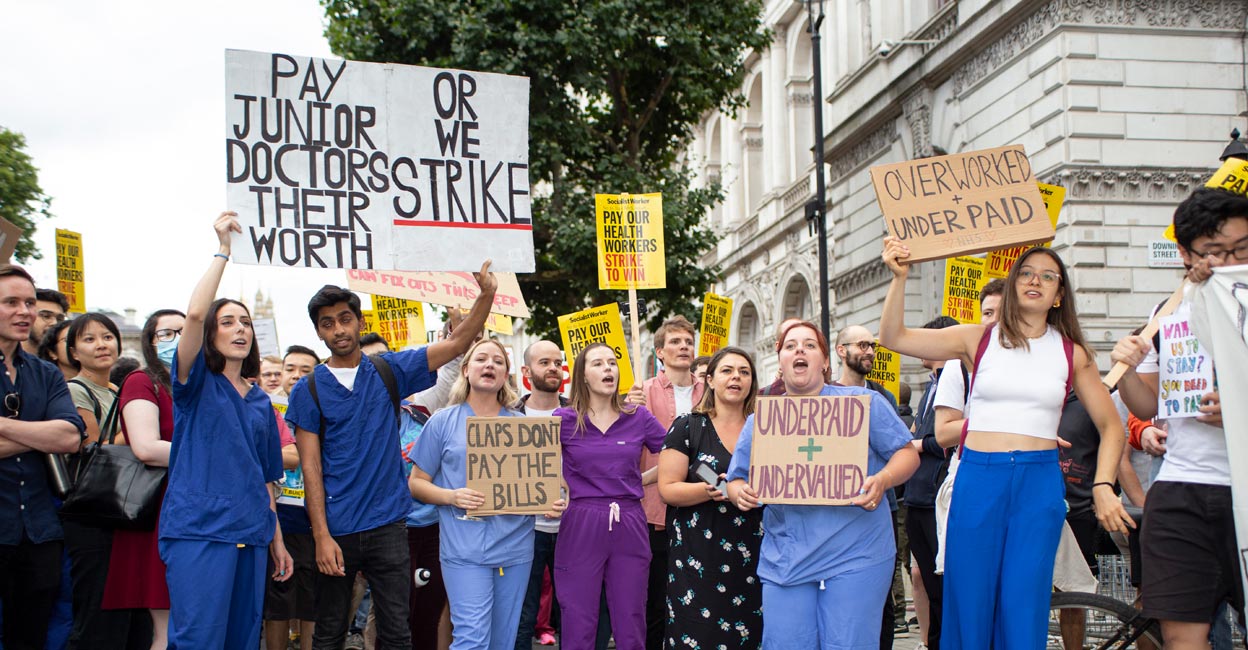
201,298
461,338
957,342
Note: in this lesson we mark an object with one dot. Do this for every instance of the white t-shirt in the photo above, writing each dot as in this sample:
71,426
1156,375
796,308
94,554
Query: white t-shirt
1195,451
684,399
345,376
541,523
951,390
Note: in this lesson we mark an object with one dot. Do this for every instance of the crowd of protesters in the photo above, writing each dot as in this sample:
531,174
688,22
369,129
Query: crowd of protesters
304,493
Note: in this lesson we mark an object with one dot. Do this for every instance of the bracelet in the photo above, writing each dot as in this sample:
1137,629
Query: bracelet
1111,485
222,256
891,481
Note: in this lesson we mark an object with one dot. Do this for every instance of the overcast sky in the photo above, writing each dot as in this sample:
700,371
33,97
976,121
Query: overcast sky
123,107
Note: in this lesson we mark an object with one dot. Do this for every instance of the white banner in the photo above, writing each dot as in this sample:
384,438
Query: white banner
1220,318
265,330
342,164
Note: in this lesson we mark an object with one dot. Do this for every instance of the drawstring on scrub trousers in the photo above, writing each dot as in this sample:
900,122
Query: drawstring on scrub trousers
614,516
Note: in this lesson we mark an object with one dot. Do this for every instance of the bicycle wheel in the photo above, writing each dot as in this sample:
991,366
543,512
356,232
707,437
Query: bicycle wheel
1107,623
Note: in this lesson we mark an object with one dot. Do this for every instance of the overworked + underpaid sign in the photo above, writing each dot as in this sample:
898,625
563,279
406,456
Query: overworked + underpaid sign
515,462
810,450
343,164
962,203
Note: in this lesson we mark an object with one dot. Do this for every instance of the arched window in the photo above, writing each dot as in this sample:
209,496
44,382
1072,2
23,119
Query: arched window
797,302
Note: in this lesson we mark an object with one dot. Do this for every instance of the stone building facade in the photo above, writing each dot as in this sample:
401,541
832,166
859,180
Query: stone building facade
1125,103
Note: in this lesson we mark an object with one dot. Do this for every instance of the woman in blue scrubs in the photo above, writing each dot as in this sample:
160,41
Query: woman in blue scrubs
218,517
826,569
485,561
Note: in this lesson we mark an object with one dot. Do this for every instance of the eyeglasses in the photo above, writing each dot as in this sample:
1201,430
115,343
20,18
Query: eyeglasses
1239,252
865,346
269,374
167,335
1046,277
13,404
49,315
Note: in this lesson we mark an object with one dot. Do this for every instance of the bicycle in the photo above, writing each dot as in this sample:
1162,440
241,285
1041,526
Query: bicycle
1110,622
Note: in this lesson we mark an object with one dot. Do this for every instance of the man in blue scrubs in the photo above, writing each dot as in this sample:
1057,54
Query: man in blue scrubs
356,494
37,417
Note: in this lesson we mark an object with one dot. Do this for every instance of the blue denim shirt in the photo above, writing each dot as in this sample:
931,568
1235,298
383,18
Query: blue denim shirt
27,509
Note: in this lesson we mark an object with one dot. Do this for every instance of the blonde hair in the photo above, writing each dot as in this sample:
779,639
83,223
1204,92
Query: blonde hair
580,395
507,394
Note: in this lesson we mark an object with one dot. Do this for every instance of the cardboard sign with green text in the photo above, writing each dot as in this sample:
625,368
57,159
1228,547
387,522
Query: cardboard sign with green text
810,450
963,203
515,462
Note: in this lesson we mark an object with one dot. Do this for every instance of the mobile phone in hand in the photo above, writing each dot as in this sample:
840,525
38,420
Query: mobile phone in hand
709,476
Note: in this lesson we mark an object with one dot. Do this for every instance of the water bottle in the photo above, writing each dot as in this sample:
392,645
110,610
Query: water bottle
421,577
58,475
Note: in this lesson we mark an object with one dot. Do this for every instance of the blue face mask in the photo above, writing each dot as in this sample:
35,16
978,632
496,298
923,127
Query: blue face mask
166,349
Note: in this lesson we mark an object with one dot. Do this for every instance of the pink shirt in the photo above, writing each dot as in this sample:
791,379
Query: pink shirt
661,401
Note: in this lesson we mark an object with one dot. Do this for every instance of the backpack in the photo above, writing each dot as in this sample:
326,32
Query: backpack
387,378
1068,347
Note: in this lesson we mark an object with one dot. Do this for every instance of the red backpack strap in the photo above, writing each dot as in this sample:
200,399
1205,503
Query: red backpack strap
1068,346
979,354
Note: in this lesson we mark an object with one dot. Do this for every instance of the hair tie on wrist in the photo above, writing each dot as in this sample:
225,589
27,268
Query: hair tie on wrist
1111,485
222,256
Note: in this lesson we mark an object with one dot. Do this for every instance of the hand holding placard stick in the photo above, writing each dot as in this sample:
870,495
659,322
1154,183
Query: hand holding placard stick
515,463
1167,308
962,203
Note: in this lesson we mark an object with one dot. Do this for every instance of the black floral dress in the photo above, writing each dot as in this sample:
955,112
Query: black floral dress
714,596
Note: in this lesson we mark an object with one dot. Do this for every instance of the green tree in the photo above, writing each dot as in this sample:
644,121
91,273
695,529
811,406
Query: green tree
22,202
615,89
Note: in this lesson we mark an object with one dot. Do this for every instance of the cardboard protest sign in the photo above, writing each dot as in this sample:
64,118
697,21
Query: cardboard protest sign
1000,261
597,324
630,241
516,463
962,203
394,324
343,164
69,270
266,336
9,236
1232,176
1186,370
886,370
448,289
716,315
810,450
964,278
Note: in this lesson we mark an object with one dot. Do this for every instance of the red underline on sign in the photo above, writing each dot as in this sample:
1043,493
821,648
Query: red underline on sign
463,224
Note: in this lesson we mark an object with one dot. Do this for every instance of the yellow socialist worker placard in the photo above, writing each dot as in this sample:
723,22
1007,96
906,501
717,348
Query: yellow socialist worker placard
716,315
964,277
630,241
597,324
1232,176
886,370
999,262
69,276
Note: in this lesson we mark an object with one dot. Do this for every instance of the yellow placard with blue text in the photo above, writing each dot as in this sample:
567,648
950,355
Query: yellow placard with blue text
597,324
630,241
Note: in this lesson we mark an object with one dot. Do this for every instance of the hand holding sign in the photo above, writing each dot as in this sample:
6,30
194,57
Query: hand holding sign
895,255
485,279
226,223
466,499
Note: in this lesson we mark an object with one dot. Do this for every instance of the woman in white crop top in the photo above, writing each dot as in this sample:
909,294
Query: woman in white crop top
1008,503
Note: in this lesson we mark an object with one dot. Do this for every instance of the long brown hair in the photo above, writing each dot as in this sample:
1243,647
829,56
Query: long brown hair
579,398
707,405
1064,318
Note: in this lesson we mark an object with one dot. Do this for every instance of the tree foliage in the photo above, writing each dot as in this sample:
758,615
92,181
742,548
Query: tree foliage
615,89
22,202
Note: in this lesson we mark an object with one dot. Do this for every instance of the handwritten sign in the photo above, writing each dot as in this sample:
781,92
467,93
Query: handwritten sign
716,315
69,270
810,450
886,370
395,324
342,164
447,289
962,203
964,277
1186,370
515,463
1000,261
600,324
1231,176
630,241
265,330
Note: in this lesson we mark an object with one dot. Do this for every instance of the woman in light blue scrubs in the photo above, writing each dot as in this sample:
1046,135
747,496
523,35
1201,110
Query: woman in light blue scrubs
485,561
826,569
218,517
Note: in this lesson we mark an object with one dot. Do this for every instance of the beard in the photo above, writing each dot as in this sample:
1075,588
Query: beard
545,383
862,364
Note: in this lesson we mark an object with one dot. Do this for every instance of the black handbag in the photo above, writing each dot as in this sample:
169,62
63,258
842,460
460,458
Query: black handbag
114,489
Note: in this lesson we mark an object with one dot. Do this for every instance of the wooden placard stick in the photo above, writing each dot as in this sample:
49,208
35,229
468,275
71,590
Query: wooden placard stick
1167,308
636,330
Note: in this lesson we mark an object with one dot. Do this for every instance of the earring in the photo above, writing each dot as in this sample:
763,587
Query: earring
1058,303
